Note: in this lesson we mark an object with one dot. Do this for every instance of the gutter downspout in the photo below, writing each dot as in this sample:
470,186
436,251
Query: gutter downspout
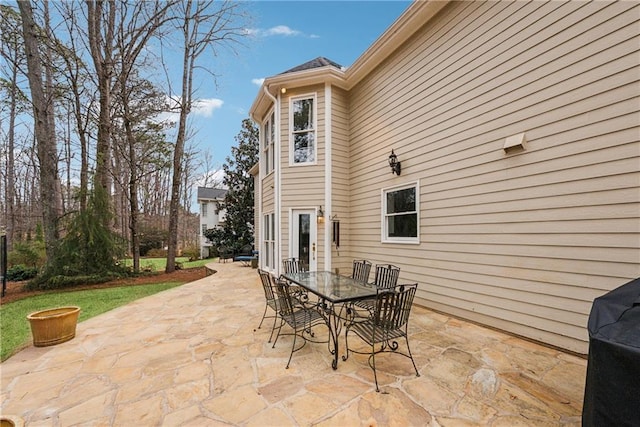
276,165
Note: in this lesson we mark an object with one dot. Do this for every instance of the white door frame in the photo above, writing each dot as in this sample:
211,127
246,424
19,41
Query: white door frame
294,233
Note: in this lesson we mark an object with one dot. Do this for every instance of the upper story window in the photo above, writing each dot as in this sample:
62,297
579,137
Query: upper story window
303,134
203,209
269,133
400,214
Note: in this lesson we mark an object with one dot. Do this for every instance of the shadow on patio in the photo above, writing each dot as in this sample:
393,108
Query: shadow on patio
190,356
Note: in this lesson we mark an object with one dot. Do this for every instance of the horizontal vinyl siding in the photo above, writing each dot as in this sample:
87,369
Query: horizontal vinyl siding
521,241
341,258
303,186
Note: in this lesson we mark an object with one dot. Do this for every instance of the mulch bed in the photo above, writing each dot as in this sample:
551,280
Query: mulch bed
15,290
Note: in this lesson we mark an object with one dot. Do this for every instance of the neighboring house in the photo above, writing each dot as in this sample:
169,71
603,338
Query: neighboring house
211,215
517,128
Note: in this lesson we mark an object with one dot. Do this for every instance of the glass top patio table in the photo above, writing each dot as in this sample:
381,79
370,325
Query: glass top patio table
332,287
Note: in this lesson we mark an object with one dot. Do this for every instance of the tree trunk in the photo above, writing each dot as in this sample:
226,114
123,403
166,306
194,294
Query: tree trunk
45,134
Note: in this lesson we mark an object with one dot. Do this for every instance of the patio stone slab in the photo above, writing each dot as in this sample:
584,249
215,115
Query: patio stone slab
193,356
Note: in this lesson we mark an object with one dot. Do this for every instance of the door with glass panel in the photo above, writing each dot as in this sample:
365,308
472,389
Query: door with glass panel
303,238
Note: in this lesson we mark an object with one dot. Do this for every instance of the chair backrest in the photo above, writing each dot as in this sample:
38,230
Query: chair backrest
284,296
393,306
267,284
292,265
361,269
386,276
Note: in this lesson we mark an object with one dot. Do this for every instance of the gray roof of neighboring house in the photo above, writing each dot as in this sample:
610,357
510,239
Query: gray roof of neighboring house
318,62
211,193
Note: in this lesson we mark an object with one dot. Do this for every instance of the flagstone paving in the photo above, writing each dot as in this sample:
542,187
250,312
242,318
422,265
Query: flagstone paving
191,356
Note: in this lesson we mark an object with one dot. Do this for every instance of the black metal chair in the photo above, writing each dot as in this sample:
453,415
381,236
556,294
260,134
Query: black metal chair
271,298
388,323
361,270
298,316
386,277
292,265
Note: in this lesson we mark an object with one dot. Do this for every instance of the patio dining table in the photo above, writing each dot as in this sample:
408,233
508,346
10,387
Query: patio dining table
334,293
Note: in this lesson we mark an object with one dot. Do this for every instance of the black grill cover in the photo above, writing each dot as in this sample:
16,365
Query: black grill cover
612,390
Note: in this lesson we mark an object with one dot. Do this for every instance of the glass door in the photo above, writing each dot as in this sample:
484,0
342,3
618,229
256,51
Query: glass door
304,233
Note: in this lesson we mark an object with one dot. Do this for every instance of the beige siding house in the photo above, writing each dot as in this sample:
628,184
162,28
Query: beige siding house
517,128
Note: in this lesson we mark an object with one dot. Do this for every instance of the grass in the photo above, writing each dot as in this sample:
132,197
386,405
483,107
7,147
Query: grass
159,264
15,332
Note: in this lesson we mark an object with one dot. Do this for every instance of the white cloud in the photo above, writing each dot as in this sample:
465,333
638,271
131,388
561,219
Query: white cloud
278,30
282,30
258,82
205,107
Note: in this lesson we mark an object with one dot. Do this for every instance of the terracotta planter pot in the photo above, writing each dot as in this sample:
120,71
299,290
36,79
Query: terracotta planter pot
53,326
11,421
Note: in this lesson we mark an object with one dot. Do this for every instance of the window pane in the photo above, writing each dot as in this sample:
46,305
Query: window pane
303,147
401,201
403,225
303,114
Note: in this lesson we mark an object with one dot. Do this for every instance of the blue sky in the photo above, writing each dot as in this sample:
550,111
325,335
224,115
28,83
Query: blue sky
285,34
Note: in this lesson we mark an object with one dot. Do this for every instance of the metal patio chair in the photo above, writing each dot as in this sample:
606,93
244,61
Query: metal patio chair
388,323
361,270
292,265
271,299
298,316
386,277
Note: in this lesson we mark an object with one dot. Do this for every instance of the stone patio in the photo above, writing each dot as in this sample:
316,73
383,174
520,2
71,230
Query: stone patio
191,356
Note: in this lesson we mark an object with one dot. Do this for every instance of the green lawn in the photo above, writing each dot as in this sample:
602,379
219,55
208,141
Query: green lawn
159,264
15,332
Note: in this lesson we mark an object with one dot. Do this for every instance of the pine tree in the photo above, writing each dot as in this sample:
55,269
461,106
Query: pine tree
237,229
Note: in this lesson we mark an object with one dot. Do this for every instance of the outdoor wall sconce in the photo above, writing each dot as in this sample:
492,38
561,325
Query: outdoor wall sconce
394,163
320,212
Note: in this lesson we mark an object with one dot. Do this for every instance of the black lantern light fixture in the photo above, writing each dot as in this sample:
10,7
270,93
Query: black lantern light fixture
394,163
320,212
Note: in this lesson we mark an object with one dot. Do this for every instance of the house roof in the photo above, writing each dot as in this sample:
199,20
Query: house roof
318,62
211,193
418,14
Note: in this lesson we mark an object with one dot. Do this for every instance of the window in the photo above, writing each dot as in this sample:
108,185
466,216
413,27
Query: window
269,140
204,228
269,241
400,214
303,137
203,209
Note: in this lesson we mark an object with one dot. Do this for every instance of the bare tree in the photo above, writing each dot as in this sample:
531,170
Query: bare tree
10,42
205,26
44,129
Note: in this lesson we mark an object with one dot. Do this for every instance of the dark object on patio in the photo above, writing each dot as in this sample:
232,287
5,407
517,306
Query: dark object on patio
386,277
224,253
298,316
388,322
612,388
361,270
246,250
271,299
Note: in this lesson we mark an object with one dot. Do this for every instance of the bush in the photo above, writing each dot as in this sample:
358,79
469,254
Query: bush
192,252
58,282
31,254
19,272
157,253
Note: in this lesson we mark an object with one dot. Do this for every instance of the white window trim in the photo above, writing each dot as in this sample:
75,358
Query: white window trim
268,147
313,96
383,217
269,240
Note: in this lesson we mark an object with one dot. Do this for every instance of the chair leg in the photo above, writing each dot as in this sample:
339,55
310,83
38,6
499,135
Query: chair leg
266,307
293,346
278,334
411,357
273,328
373,366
